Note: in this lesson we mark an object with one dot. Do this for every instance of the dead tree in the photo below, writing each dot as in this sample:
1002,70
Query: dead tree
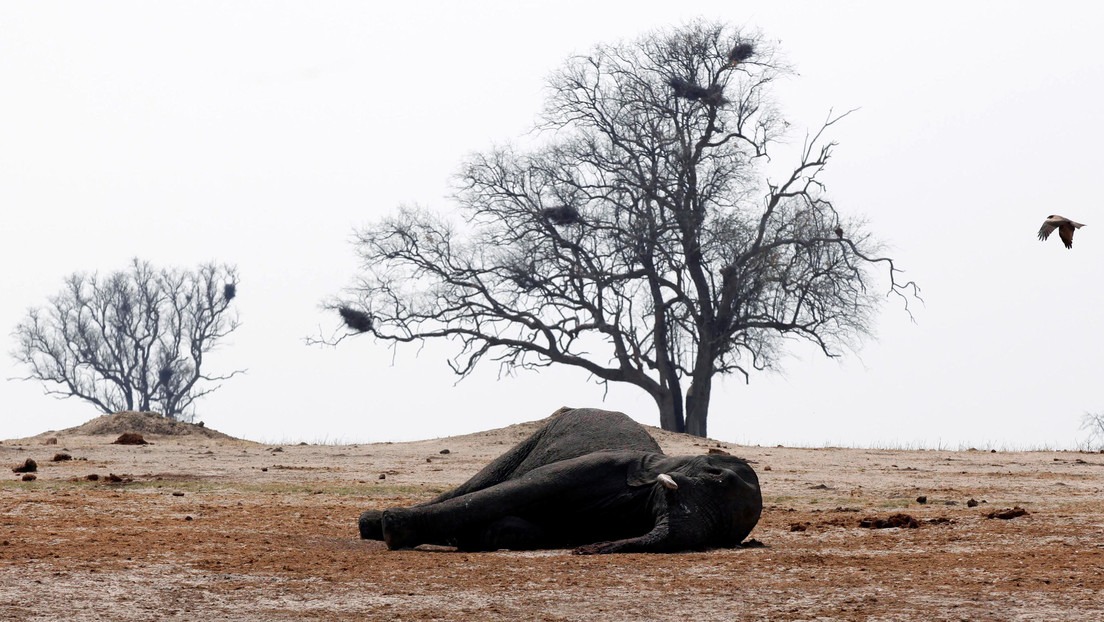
693,261
133,340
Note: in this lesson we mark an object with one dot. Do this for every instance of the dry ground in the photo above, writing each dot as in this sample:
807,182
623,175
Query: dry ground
204,527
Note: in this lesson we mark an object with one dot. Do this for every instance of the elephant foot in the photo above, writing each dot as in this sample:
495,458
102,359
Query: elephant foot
397,531
371,525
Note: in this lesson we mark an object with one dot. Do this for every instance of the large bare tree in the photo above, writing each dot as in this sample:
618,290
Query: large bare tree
133,340
646,238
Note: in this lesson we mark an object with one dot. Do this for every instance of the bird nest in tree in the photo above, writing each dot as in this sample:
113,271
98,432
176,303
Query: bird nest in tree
359,321
685,89
561,215
741,53
524,277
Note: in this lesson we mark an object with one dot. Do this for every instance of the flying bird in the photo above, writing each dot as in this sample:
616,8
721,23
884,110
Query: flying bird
1065,228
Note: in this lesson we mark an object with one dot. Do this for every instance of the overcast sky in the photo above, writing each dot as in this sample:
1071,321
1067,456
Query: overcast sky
261,134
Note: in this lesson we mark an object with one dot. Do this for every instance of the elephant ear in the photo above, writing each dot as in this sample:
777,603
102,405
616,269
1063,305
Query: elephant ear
646,470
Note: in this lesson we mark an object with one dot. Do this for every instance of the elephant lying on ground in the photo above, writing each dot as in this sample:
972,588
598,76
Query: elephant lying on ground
589,479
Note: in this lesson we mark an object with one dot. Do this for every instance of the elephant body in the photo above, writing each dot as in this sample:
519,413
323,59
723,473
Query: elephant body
588,479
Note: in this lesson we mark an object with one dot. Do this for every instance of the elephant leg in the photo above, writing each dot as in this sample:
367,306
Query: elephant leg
510,532
398,529
371,525
549,489
447,522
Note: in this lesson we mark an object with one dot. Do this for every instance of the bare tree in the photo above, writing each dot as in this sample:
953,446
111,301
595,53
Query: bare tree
1093,425
135,340
644,239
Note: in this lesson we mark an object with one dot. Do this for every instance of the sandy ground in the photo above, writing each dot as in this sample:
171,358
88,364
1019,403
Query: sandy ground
216,528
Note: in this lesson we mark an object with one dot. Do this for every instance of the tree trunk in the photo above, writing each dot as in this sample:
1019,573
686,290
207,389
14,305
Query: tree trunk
670,412
697,405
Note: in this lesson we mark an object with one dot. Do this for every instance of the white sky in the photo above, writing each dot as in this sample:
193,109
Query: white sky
260,134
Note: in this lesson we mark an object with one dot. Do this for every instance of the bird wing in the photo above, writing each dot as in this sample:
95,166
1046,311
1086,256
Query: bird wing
1046,229
1065,231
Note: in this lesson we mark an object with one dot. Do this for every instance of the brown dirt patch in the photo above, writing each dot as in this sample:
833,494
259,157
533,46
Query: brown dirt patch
225,529
1007,513
898,520
27,466
131,438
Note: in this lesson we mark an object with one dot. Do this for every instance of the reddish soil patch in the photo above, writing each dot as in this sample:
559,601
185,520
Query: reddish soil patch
896,520
224,529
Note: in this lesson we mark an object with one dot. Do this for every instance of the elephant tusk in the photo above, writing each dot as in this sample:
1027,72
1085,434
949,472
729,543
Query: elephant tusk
667,481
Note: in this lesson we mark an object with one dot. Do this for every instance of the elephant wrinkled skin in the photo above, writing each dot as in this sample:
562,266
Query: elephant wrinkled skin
589,479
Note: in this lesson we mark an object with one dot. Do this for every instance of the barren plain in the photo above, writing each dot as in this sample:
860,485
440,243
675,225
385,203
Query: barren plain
197,525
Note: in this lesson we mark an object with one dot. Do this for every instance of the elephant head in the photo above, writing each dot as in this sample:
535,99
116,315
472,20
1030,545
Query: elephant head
699,502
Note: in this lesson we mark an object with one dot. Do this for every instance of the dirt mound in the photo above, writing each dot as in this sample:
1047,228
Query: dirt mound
145,423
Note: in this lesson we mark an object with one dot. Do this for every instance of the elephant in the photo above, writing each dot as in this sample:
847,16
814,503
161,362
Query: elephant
591,480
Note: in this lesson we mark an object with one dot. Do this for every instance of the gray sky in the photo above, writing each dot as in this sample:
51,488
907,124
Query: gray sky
261,134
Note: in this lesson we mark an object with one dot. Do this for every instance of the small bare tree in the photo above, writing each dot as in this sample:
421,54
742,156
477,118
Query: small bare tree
644,241
1093,425
135,340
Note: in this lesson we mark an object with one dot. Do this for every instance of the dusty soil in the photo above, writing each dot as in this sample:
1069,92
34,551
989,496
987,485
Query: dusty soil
216,528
